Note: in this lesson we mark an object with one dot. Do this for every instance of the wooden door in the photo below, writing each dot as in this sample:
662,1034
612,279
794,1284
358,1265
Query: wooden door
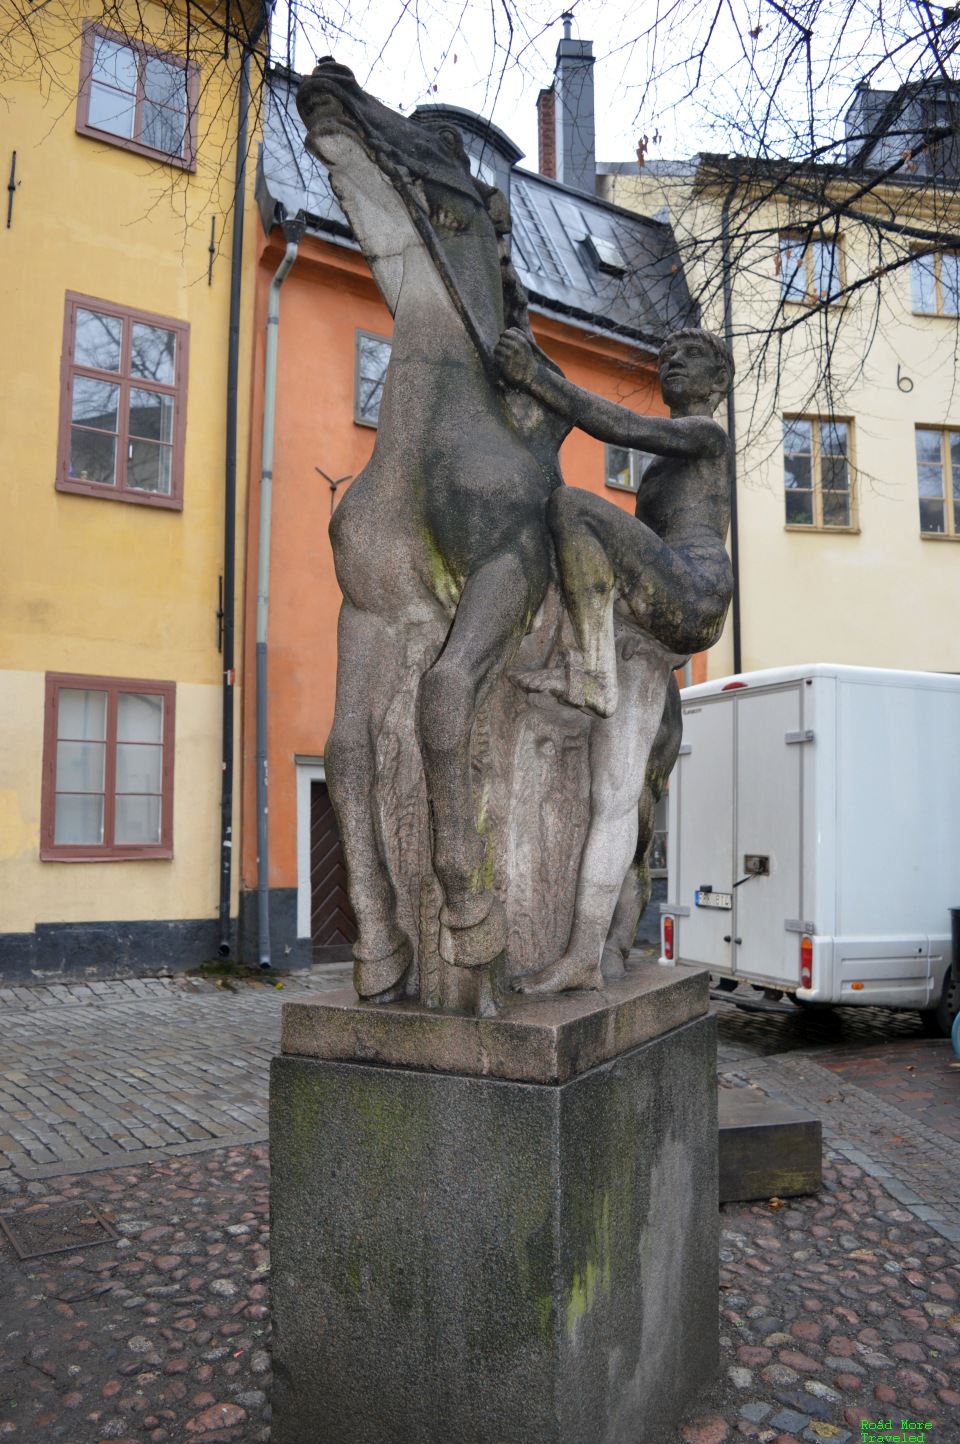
333,926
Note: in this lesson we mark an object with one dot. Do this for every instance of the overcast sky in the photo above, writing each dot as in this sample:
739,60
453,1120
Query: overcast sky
493,56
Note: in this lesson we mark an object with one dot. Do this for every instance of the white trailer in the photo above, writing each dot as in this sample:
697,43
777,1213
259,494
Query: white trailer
814,835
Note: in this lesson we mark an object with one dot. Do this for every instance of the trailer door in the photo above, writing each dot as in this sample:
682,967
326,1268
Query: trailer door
703,856
770,749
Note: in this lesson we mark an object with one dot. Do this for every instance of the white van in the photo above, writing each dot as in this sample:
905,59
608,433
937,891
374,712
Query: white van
814,835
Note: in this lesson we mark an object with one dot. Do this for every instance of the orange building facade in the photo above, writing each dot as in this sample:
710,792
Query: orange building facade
330,315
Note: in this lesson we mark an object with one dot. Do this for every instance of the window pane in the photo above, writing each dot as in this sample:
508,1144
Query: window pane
797,473
642,461
137,821
93,457
162,128
151,415
799,508
834,475
826,269
165,84
931,516
80,766
929,447
154,355
374,358
149,467
797,436
930,480
111,110
923,286
114,64
836,508
833,438
139,717
793,279
81,714
618,468
78,819
950,283
95,403
138,766
97,340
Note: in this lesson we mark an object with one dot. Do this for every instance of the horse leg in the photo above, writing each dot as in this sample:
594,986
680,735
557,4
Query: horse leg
635,893
383,951
619,753
491,621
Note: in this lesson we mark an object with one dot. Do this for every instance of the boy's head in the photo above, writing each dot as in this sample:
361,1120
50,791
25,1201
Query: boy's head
695,367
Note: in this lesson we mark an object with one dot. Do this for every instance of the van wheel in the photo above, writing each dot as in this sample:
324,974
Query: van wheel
726,985
937,1022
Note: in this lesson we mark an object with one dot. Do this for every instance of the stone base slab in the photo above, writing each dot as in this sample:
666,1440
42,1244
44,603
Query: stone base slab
767,1148
470,1259
531,1039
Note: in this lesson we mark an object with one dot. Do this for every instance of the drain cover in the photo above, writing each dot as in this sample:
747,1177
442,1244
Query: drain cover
59,1228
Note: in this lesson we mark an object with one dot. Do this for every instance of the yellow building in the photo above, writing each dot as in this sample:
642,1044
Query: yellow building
846,405
120,451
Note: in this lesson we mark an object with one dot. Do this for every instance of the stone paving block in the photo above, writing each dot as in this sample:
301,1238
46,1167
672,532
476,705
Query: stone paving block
756,1413
789,1421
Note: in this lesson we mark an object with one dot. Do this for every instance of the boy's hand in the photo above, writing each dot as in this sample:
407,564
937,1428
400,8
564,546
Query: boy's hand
515,357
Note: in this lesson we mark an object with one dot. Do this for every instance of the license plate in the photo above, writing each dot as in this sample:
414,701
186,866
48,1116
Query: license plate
713,899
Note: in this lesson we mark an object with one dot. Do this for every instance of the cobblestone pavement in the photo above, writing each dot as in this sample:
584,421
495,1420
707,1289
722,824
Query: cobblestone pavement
162,1335
97,1073
923,1083
835,1308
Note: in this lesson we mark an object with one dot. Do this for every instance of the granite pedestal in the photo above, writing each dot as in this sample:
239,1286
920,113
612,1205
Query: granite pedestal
514,1242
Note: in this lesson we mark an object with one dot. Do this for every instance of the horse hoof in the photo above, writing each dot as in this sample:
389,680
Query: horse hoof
382,980
612,964
566,975
478,943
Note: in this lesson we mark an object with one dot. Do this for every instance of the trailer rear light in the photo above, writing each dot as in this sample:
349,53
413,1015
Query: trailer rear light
806,963
857,987
668,938
733,686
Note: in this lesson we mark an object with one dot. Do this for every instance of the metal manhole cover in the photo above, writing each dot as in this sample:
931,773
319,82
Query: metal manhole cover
57,1229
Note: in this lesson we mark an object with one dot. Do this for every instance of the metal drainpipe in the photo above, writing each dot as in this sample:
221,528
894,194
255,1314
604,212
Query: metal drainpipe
731,426
293,233
230,513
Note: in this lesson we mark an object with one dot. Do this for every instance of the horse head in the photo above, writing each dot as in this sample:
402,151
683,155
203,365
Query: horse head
403,182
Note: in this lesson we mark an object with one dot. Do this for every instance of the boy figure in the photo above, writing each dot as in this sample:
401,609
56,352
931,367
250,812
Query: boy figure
668,565
667,572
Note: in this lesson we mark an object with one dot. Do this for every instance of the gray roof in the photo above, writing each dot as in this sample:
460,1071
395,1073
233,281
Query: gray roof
565,272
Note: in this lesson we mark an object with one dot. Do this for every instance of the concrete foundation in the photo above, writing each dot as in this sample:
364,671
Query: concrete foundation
489,1261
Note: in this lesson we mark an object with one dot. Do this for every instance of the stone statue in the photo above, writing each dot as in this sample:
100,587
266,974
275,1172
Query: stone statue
506,708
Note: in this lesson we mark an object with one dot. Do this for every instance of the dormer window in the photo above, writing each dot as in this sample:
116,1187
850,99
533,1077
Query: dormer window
606,254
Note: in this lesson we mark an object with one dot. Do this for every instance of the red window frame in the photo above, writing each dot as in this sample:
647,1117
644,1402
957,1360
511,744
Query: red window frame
187,160
178,391
107,851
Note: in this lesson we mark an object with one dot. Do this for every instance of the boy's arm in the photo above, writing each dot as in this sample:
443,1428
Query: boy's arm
691,436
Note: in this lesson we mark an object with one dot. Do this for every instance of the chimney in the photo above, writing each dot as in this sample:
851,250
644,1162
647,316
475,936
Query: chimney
547,131
576,159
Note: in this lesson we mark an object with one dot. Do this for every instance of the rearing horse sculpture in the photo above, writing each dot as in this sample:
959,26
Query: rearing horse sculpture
441,544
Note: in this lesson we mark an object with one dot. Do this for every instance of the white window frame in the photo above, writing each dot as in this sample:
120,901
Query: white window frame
309,771
639,462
